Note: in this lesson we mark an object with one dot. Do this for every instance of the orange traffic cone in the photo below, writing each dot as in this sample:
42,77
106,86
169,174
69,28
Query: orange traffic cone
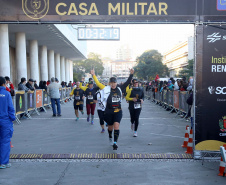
190,143
11,146
186,136
221,168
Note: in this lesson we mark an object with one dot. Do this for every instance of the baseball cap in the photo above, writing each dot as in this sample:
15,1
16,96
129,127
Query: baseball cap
113,79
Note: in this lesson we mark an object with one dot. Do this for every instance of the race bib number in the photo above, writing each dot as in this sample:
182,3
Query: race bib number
115,99
90,97
77,97
137,105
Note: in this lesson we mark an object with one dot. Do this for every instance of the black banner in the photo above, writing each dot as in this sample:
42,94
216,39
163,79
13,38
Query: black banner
30,100
20,102
210,127
112,11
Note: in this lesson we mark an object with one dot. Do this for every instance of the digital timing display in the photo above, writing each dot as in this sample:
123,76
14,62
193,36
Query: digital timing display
98,33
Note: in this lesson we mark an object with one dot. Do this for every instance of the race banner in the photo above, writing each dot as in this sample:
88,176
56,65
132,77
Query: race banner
210,129
38,98
30,100
176,99
68,11
20,102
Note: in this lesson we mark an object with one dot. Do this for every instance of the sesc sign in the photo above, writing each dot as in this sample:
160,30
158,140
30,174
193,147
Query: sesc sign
113,11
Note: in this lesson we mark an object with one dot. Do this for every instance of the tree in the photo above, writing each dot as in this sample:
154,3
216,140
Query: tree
84,66
188,71
149,64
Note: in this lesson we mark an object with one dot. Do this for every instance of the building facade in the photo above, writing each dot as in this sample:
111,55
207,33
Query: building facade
39,52
176,59
120,68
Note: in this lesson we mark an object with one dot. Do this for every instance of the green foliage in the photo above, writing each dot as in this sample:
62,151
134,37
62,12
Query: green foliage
84,66
188,71
149,64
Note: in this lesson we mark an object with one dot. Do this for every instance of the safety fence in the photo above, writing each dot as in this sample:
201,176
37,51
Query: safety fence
26,104
170,100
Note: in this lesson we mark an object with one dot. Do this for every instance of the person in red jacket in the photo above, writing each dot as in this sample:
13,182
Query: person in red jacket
9,86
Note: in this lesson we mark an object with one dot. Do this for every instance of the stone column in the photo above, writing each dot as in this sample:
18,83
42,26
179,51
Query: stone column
4,51
21,58
34,67
43,63
51,65
62,69
57,66
71,71
67,70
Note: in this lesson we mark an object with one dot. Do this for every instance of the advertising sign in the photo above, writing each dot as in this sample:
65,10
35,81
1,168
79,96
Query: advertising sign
30,100
210,127
20,102
39,98
45,98
176,99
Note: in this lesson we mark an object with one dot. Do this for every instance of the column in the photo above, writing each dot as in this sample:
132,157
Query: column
62,69
21,58
51,65
34,67
57,66
4,51
43,63
71,71
67,70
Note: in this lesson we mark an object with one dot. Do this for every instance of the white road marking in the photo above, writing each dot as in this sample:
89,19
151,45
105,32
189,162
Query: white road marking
166,135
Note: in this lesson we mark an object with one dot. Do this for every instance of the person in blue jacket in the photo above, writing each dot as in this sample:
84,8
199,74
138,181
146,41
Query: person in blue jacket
7,115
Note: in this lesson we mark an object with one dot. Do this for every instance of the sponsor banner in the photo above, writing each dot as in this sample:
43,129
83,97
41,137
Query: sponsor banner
176,99
39,98
165,96
211,87
112,11
20,102
183,106
45,98
30,100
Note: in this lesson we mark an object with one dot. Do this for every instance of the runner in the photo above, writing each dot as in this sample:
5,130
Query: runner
135,96
90,104
100,108
78,100
112,97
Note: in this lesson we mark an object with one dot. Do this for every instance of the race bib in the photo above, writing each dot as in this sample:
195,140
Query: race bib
90,97
137,105
77,97
115,99
116,110
78,103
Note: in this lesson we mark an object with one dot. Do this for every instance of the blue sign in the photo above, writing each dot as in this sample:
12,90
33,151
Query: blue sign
221,5
99,33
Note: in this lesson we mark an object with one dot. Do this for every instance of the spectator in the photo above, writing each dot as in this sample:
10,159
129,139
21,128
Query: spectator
190,84
48,82
176,86
22,86
53,92
44,85
35,85
63,84
170,86
7,116
29,84
56,80
70,84
9,86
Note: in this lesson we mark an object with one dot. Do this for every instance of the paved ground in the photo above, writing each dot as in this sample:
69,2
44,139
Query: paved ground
46,135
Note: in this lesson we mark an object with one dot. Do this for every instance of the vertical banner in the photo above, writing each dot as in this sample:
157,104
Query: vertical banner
39,98
170,98
176,99
183,106
64,93
20,102
61,94
30,100
210,128
45,98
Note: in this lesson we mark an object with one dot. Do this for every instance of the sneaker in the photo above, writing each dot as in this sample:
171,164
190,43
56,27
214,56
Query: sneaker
110,141
115,146
135,134
77,119
106,124
8,165
132,127
2,166
54,115
92,122
82,112
88,119
102,131
58,115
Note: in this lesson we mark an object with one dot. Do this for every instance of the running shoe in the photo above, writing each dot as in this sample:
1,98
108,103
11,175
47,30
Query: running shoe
115,146
106,124
77,119
135,134
8,165
88,119
132,127
2,166
110,141
102,131
82,112
92,122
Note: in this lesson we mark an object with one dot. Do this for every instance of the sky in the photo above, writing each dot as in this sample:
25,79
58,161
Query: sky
142,37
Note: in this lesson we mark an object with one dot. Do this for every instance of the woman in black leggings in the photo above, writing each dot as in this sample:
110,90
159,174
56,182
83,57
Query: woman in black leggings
135,96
